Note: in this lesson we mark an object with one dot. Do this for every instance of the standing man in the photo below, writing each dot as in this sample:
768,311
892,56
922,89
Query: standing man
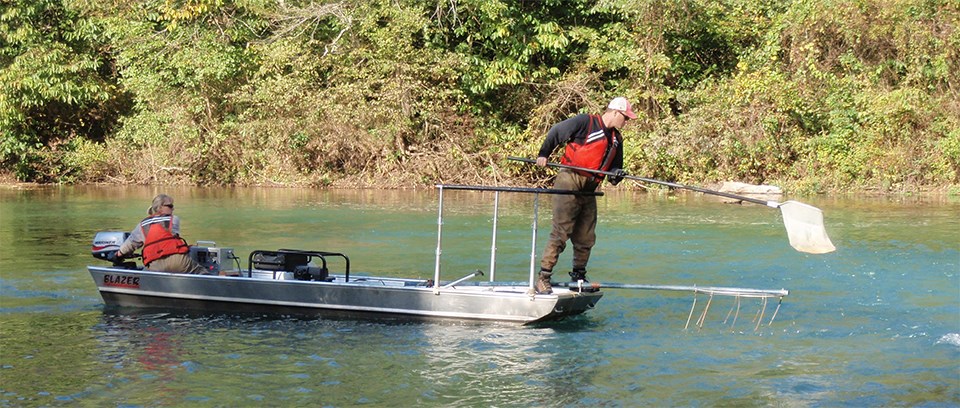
594,142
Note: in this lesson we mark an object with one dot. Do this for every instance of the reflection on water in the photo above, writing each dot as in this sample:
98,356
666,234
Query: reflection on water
874,324
166,359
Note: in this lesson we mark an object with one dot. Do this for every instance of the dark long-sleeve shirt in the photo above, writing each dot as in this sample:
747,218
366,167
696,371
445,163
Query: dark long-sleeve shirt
577,126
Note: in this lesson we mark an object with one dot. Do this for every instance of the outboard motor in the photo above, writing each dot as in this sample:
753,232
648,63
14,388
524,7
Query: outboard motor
107,243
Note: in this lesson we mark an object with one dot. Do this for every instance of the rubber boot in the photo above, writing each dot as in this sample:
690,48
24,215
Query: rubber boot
578,274
543,285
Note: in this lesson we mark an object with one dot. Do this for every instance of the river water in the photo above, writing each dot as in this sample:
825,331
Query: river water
876,323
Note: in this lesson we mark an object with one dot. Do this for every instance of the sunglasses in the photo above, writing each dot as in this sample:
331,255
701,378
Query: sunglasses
170,206
625,117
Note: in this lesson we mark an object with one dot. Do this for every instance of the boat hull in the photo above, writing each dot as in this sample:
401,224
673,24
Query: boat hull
361,296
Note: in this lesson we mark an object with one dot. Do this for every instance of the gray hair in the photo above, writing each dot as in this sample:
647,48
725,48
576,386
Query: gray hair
159,201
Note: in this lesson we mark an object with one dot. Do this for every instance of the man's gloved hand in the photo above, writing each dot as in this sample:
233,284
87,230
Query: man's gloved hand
619,175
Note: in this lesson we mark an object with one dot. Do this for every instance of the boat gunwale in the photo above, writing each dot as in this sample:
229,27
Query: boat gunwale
367,282
557,301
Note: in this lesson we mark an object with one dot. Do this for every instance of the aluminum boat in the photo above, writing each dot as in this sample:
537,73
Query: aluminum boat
290,281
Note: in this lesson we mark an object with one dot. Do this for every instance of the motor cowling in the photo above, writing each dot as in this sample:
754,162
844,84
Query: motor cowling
106,243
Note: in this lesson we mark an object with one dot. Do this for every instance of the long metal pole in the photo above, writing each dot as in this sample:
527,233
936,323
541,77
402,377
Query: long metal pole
803,222
493,244
712,290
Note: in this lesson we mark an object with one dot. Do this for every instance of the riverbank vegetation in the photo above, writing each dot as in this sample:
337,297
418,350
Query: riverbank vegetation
815,95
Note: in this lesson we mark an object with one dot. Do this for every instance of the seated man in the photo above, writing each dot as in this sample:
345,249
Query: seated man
159,235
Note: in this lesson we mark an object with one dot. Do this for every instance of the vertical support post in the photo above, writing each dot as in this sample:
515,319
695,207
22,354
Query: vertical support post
533,242
436,269
493,244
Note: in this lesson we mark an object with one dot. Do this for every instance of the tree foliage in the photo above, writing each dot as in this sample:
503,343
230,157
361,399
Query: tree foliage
57,82
817,95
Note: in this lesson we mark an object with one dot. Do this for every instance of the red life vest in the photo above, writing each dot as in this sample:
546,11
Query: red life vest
593,149
158,240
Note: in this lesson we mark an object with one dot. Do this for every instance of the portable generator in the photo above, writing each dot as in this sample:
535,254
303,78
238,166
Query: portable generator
215,260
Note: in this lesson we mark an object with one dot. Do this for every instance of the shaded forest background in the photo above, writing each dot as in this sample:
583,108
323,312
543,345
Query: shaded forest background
815,95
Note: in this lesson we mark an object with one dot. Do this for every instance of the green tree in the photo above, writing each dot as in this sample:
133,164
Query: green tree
813,94
57,84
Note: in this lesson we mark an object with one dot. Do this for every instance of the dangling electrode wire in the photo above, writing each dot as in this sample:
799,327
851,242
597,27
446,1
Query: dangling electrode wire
779,302
692,308
703,316
734,311
760,313
737,307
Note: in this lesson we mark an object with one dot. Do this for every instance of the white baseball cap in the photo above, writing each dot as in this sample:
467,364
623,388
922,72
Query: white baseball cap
623,105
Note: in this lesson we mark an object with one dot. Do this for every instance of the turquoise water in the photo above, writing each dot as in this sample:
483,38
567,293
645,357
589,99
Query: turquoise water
876,323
